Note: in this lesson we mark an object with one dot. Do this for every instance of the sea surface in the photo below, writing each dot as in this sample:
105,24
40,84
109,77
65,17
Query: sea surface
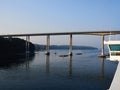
42,72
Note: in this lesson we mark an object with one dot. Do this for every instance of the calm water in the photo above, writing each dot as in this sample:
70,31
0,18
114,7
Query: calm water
41,72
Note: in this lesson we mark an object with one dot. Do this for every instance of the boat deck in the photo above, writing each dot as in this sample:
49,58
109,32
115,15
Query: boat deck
115,85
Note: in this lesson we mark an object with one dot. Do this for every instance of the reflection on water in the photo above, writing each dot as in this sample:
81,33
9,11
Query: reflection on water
79,72
102,68
70,66
47,64
10,62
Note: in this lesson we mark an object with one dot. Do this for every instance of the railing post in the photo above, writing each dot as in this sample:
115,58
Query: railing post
70,47
48,45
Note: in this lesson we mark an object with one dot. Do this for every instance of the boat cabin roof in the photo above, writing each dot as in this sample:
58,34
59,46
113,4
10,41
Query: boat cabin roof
112,42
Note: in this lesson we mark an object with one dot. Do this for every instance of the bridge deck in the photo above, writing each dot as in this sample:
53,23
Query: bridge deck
99,33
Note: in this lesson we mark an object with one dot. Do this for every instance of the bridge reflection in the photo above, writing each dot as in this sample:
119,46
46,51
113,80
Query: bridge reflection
70,66
102,68
25,62
47,65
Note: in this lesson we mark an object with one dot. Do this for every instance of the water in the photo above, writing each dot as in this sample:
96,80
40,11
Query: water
41,72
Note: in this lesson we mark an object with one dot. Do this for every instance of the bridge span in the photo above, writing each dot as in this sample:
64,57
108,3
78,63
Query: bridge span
97,33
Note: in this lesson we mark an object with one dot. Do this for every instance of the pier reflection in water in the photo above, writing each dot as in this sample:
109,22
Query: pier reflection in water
70,66
22,60
102,68
47,64
51,72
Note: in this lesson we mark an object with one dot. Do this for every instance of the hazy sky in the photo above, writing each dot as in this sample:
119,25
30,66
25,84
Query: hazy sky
39,16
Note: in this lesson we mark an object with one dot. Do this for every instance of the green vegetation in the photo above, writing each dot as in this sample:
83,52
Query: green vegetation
63,47
14,46
13,49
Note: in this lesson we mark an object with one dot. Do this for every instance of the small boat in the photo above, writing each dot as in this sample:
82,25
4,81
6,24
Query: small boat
55,53
63,55
114,49
78,53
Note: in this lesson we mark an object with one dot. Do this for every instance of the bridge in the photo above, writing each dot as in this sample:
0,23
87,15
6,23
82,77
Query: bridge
97,33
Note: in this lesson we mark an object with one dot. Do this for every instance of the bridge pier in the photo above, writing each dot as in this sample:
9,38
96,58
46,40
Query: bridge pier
48,45
102,53
27,44
70,47
102,44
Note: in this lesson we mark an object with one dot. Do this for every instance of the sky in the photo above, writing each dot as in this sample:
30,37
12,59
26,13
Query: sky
41,16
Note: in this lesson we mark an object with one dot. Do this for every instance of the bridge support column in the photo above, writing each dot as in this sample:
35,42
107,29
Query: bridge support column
102,53
27,44
48,45
102,45
70,47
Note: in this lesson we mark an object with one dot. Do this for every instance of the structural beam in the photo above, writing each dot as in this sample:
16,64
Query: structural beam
48,45
70,47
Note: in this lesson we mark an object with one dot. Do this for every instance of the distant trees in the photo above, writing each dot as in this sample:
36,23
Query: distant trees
62,47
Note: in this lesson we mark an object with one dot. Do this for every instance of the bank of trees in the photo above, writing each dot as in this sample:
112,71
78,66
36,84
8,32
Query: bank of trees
14,46
63,47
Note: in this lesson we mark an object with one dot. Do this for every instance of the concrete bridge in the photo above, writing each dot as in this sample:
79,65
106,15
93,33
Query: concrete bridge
97,33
